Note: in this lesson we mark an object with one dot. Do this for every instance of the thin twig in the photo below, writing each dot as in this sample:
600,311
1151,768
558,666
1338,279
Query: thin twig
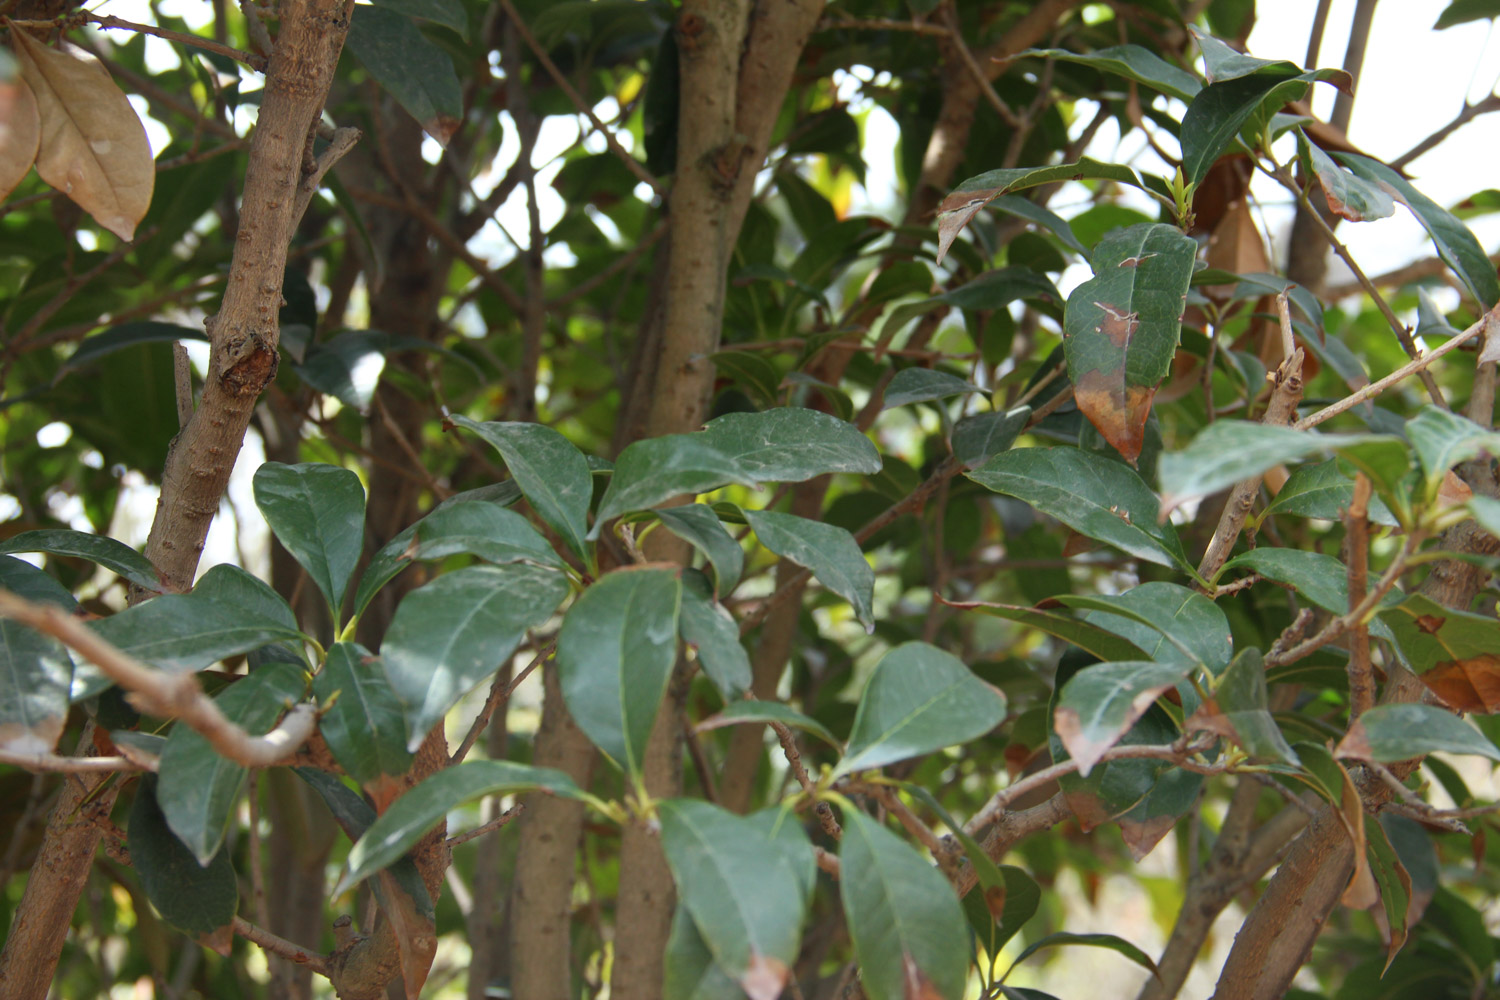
494,824
799,771
277,945
1356,537
257,63
500,692
39,763
1007,115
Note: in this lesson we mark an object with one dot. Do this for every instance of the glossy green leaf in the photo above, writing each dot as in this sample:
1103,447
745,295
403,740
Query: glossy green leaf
1320,578
698,524
751,710
113,555
1228,451
1133,62
552,473
1025,208
919,699
231,586
1162,619
738,888
1240,710
123,335
1102,643
994,289
1109,941
1215,116
418,73
1442,440
1101,702
449,13
712,631
1388,733
1091,494
364,727
907,925
615,655
1122,327
478,528
455,632
978,438
410,817
1455,243
1348,196
317,512
790,444
651,472
199,789
1114,788
36,670
1320,489
921,385
1222,61
198,899
1171,795
830,552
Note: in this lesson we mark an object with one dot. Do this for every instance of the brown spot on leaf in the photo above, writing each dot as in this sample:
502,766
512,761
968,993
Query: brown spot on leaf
764,978
994,900
1471,685
441,128
38,738
1117,410
917,985
1118,325
1430,624
220,939
1141,836
955,211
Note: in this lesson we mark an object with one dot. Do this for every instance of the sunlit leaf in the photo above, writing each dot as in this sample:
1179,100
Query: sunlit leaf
1099,703
790,444
551,472
1348,196
1388,733
113,555
829,551
318,512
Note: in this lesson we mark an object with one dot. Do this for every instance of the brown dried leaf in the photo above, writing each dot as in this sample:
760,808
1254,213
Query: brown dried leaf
20,133
1361,892
93,147
1116,410
416,937
1471,685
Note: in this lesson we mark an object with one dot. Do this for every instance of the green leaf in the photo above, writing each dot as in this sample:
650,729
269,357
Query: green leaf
348,366
476,528
1241,702
115,556
1103,643
229,585
790,444
830,552
751,710
552,473
199,788
615,655
1224,62
449,13
1133,62
127,335
1215,116
1455,243
1349,197
921,385
709,629
979,438
421,808
738,888
1122,326
1320,489
1101,702
1025,208
653,471
418,73
690,972
198,899
1228,451
1388,733
364,727
1464,11
751,371
919,699
1442,440
698,524
36,670
1091,494
907,925
1320,578
975,193
1395,884
1173,792
318,512
451,634
1109,941
1162,619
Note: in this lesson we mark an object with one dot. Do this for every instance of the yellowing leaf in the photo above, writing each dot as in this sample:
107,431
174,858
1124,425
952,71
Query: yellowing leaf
93,147
20,132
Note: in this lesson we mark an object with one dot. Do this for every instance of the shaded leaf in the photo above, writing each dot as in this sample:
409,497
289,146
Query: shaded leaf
830,552
410,817
318,512
1464,11
1169,622
364,726
751,710
907,925
1348,196
198,899
1240,711
713,633
1321,579
36,670
919,699
1171,795
349,365
113,555
791,444
1109,941
1100,642
978,438
1442,440
650,472
449,13
1133,62
406,904
1320,489
1091,494
93,148
417,73
455,632
1122,326
124,335
921,385
690,972
615,655
20,133
1215,116
227,584
1100,702
698,524
198,788
552,473
1395,885
1388,733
